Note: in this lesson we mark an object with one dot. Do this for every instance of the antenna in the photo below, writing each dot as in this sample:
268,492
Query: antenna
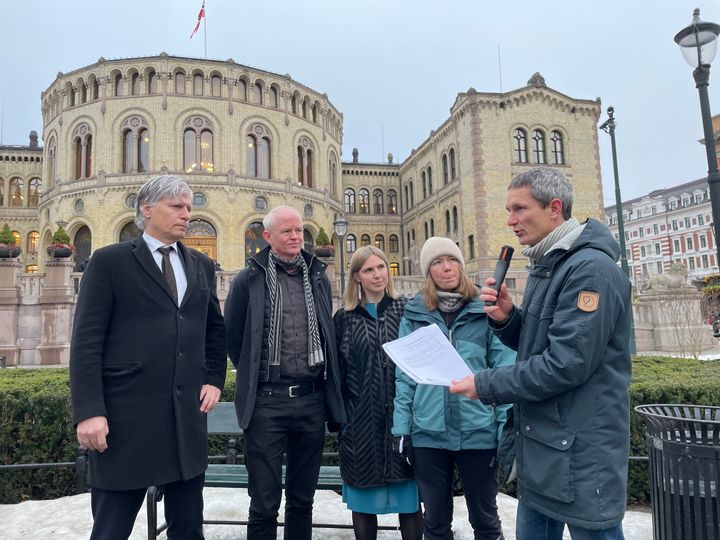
500,68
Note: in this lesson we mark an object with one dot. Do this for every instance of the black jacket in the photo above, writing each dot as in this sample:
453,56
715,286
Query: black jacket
368,377
244,322
139,359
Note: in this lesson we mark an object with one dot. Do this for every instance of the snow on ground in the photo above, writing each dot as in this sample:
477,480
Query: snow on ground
69,518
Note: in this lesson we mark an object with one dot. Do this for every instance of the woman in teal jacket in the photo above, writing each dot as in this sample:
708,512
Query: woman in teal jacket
435,429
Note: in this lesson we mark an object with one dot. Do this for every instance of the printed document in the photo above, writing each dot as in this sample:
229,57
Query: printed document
427,357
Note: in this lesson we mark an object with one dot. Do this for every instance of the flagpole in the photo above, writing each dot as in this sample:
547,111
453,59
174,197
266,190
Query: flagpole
205,27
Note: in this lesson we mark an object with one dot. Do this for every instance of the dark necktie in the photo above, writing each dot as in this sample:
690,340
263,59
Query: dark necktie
167,270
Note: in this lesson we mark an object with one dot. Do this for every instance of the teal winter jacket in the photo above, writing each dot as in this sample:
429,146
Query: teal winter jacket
433,416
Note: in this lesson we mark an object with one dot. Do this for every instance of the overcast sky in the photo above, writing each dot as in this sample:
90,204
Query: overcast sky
394,67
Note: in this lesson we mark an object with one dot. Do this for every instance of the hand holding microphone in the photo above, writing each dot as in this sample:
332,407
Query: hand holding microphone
501,268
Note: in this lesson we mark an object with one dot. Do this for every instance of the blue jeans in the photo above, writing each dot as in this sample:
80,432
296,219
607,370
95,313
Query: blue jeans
532,525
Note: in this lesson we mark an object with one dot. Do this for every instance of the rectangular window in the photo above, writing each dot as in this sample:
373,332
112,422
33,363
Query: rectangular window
642,232
471,245
639,213
689,243
654,210
705,261
659,267
703,241
691,263
676,246
687,222
657,248
701,219
510,282
642,251
674,225
655,229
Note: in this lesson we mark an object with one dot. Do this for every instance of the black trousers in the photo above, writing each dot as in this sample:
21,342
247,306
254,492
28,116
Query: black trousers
433,469
282,424
114,512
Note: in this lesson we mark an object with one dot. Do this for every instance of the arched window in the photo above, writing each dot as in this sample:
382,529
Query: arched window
258,93
407,197
429,177
380,241
202,236
135,84
242,90
557,148
83,92
392,201
52,161
332,168
198,145
455,219
349,201
304,109
83,243
364,240
427,230
306,154
452,164
216,85
350,243
393,243
96,90
423,176
82,138
520,145
394,269
308,242
447,222
70,91
446,171
273,97
412,195
136,145
179,82
432,227
34,187
153,82
32,241
378,203
315,113
364,201
538,146
198,84
2,192
129,232
117,85
254,241
293,104
258,151
17,237
16,192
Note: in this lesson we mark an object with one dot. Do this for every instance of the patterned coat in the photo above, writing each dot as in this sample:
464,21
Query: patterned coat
368,384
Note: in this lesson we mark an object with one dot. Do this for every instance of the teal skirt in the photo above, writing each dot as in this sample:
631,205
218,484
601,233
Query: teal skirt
401,498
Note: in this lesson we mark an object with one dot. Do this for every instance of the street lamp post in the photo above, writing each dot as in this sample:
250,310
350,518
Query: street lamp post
340,226
698,43
609,127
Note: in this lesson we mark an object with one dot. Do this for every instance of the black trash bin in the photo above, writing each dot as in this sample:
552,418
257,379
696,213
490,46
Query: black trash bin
683,443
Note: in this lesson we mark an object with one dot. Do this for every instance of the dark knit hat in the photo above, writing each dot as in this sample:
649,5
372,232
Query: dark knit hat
435,247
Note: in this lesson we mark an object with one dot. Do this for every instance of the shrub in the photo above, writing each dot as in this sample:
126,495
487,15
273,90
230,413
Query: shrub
6,236
36,426
322,238
60,236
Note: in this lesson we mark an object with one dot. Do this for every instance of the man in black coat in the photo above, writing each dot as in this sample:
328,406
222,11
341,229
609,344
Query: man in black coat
281,339
147,362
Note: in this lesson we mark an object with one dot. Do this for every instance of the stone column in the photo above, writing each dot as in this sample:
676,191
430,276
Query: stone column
9,308
57,302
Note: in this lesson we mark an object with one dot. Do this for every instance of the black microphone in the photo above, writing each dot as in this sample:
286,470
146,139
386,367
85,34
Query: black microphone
501,268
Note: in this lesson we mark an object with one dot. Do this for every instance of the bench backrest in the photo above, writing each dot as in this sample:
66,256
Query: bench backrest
223,419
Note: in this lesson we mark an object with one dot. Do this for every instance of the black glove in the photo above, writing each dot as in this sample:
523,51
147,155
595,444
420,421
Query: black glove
403,445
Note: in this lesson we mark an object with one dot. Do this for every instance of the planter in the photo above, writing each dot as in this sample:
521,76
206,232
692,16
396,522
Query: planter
10,252
324,251
59,252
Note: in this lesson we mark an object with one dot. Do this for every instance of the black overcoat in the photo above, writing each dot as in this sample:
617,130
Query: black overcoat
139,359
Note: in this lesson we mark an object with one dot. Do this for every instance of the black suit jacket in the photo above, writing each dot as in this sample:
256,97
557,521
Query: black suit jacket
139,359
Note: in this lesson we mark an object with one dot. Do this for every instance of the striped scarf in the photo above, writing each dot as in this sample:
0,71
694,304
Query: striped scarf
315,352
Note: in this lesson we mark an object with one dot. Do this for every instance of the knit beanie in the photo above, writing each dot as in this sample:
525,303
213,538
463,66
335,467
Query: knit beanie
437,246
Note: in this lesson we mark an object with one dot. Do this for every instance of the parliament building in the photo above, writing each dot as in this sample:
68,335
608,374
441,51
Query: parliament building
246,140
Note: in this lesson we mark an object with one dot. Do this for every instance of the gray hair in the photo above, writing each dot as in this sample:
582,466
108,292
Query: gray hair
270,217
158,188
546,184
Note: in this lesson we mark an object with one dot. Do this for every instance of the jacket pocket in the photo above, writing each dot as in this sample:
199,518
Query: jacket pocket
546,465
428,408
119,369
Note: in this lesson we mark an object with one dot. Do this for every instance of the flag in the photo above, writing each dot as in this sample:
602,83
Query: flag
200,17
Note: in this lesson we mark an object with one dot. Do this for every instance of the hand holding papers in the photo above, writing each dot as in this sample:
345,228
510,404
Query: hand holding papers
427,357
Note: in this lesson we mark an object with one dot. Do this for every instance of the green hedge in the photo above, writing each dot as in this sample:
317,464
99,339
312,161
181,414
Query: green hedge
35,424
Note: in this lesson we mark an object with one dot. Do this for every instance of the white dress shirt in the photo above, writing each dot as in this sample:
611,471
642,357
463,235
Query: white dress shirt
180,277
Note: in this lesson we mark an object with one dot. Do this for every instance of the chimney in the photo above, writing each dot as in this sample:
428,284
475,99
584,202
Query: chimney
390,158
355,155
33,140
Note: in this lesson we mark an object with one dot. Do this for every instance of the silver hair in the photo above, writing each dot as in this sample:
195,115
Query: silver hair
270,217
546,184
158,188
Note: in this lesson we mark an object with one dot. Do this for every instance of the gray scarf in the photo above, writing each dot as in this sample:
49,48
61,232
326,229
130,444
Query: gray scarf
448,301
315,352
561,238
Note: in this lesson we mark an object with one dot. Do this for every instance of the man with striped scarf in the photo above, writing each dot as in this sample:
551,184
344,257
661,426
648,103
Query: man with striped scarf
278,317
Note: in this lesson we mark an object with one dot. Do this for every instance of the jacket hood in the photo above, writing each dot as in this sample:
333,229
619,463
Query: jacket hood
595,235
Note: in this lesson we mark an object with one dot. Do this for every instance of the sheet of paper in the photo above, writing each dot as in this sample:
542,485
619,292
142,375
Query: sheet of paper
427,357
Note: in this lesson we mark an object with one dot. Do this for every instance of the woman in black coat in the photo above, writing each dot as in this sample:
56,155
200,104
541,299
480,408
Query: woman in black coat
376,480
